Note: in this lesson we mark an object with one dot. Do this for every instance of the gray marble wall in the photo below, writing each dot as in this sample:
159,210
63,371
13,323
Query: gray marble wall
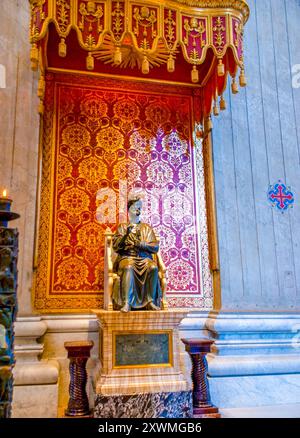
19,126
256,143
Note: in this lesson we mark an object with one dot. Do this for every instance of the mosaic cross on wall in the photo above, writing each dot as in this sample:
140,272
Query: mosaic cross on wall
281,197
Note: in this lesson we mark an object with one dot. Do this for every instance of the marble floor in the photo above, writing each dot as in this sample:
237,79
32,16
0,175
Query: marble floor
277,411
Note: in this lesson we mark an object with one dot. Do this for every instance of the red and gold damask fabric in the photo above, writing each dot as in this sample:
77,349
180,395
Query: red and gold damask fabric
103,138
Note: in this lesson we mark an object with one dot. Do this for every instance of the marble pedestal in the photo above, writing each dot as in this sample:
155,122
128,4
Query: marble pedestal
35,380
140,373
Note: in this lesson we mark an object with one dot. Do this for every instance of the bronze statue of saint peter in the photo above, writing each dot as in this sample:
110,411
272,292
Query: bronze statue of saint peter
135,243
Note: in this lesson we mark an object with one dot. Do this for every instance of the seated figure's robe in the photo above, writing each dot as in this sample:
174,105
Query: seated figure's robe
139,281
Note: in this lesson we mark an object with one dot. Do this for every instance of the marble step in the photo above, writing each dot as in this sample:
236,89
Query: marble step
275,411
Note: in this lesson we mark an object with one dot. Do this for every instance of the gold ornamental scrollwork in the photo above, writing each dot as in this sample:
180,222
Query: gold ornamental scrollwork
63,14
219,30
239,5
194,37
170,28
146,28
239,29
146,19
118,20
129,34
197,27
37,14
92,14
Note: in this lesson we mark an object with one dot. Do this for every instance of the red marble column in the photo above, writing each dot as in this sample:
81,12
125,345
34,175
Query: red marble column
202,406
78,353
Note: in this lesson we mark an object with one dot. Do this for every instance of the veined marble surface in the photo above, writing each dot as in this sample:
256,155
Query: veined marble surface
244,365
35,401
156,405
255,359
275,411
252,391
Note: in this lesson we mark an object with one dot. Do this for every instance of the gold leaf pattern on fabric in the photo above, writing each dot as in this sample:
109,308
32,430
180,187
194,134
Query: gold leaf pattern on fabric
74,201
110,139
71,273
92,169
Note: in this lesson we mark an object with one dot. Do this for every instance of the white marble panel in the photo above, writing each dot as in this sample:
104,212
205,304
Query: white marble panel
275,411
252,391
37,401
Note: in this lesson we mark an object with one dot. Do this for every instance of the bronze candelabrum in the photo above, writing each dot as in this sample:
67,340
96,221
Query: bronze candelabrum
8,303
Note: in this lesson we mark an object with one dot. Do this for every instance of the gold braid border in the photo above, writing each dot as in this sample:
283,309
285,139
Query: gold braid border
239,5
44,302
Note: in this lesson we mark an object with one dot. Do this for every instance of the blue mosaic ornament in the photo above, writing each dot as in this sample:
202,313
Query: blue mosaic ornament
281,196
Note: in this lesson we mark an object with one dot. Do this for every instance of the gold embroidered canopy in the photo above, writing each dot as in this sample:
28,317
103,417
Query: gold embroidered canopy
198,41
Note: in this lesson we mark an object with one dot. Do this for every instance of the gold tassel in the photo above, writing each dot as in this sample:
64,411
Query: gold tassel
145,66
243,80
171,64
41,107
234,86
41,87
216,109
90,62
195,75
222,103
221,68
62,48
34,57
118,56
208,126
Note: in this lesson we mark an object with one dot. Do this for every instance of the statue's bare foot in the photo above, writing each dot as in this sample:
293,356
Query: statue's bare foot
126,308
152,306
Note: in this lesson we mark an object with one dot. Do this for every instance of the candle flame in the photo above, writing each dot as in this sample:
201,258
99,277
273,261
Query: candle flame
4,193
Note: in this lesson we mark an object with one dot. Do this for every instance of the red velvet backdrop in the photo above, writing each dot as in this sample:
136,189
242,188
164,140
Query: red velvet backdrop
102,138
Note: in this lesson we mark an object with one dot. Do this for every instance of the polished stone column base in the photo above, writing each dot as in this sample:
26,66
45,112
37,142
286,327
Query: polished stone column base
35,380
206,412
155,405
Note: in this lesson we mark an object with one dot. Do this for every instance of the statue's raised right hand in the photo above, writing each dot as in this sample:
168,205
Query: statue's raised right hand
129,229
